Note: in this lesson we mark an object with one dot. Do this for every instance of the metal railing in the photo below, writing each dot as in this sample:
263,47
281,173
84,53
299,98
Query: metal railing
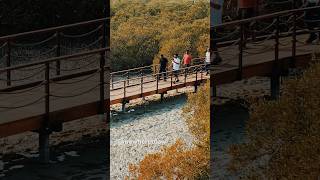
54,45
130,74
157,81
291,21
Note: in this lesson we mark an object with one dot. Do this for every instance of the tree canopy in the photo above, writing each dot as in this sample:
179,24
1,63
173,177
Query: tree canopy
142,30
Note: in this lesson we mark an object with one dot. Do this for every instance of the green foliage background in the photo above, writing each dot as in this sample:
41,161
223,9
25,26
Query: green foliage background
141,30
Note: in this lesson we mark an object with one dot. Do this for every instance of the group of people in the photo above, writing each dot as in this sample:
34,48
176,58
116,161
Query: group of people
176,64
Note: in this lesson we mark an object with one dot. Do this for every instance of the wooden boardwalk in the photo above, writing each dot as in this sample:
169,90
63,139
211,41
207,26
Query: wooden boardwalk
79,97
51,99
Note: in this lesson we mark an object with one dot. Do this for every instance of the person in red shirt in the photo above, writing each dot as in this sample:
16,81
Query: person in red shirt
187,59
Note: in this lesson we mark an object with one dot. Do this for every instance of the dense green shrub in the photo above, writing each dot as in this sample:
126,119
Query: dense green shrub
283,136
142,30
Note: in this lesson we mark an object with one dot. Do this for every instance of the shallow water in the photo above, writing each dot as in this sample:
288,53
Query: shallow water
229,123
87,161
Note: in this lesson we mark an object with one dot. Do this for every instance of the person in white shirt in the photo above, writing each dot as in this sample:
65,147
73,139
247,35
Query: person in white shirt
176,67
208,61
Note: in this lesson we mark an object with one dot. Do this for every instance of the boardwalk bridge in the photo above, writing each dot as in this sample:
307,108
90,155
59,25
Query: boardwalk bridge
63,80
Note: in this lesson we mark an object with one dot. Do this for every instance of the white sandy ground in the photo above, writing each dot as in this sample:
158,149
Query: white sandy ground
136,136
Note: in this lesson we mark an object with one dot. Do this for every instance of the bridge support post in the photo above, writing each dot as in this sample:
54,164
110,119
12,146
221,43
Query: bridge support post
44,149
196,88
275,87
162,96
123,109
124,102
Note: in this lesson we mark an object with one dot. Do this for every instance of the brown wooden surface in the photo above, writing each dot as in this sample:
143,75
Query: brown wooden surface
257,62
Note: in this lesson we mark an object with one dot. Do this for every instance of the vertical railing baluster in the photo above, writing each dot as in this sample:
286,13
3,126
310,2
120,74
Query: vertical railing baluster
111,77
47,89
241,44
141,82
275,76
294,40
58,52
8,62
102,93
157,82
128,77
277,39
44,151
171,80
196,76
185,76
124,89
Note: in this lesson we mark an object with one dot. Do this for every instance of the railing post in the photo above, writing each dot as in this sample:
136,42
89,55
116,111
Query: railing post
44,151
275,76
111,77
124,97
294,40
157,83
128,76
241,44
196,83
185,76
141,82
102,81
124,89
171,80
58,53
8,63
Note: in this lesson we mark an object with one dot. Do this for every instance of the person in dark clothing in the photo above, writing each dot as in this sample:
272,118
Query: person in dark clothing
247,9
163,67
217,58
312,19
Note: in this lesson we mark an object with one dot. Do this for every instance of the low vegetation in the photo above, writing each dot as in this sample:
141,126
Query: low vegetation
283,136
178,161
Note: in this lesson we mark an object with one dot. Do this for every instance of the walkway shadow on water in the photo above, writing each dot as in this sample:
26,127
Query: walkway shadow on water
86,161
228,128
148,108
231,115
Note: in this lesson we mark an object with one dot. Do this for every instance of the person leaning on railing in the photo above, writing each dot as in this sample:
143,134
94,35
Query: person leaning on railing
312,19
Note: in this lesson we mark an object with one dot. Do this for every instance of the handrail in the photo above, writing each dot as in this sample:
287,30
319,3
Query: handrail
52,29
54,59
144,67
155,74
